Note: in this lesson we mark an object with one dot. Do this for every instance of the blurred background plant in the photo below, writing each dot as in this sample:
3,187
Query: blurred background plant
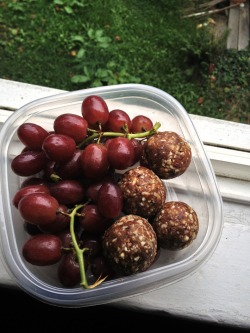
71,45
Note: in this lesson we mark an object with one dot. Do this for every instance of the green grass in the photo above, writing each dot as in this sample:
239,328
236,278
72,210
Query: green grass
70,45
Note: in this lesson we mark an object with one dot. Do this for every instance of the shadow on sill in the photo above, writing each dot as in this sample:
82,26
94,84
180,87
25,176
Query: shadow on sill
23,312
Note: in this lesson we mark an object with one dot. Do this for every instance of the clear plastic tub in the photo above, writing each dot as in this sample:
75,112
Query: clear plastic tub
197,187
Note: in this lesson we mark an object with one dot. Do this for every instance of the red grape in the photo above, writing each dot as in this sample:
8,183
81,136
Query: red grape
59,147
138,149
38,208
121,153
119,121
141,124
68,191
48,170
72,125
33,181
93,188
92,220
71,169
27,190
95,110
110,201
61,222
94,161
28,163
32,135
68,270
42,250
66,239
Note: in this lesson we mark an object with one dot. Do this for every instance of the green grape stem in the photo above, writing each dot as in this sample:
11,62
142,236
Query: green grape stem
97,134
80,252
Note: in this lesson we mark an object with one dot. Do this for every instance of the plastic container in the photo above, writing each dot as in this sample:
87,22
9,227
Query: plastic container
197,187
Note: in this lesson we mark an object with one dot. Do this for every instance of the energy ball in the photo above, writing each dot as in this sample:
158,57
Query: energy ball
143,192
130,245
167,154
176,225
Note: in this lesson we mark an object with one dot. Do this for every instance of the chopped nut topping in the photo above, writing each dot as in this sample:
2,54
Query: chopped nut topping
176,225
143,192
130,244
167,154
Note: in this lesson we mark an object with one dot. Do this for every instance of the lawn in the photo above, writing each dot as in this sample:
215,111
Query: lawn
70,45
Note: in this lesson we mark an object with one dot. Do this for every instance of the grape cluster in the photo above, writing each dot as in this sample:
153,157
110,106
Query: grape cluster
72,193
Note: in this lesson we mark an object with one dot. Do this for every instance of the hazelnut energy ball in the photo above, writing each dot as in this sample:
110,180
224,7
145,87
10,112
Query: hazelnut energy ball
176,225
167,154
143,192
130,245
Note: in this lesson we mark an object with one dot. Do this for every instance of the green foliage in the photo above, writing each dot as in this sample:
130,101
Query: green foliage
90,48
68,5
70,45
228,90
